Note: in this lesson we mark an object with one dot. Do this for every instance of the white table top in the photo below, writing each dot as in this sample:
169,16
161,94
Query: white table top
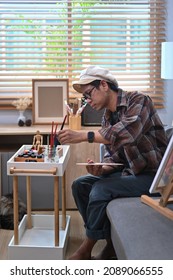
38,168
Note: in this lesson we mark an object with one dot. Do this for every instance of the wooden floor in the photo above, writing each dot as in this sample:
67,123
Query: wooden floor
77,234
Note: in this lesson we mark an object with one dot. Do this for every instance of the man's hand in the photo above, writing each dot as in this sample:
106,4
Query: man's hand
98,170
95,170
67,136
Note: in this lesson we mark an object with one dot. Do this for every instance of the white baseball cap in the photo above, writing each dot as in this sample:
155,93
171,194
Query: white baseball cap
91,74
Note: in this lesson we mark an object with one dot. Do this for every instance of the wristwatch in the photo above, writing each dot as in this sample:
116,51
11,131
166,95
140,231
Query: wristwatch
91,136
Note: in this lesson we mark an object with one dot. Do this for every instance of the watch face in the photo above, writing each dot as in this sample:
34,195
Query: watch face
90,136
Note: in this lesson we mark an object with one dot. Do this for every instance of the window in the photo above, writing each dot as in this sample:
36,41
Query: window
57,39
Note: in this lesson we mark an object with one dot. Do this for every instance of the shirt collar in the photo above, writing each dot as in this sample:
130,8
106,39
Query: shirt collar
121,102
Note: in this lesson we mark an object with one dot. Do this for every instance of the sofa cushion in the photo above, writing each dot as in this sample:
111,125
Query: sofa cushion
138,231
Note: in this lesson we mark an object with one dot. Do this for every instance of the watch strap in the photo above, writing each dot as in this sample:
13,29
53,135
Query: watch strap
91,136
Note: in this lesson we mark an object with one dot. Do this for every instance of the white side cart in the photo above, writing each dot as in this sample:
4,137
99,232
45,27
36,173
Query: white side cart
39,236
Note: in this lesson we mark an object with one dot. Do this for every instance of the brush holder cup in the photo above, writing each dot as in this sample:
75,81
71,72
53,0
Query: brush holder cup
75,122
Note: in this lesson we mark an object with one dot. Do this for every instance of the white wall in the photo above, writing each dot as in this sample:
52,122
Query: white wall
11,117
165,114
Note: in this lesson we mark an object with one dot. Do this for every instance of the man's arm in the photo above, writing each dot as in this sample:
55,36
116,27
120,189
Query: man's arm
67,136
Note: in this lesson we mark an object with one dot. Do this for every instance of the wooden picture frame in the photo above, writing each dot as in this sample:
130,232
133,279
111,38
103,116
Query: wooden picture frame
48,100
163,184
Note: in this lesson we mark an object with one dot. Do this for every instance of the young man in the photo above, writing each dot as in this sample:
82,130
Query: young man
133,136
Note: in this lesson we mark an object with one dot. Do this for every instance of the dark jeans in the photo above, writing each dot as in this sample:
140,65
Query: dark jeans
92,195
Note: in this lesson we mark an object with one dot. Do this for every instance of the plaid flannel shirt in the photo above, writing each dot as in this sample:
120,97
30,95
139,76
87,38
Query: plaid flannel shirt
137,138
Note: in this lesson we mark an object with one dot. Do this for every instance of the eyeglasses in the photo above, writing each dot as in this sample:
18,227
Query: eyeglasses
87,95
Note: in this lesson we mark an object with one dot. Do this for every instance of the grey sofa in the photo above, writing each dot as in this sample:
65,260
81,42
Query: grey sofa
138,231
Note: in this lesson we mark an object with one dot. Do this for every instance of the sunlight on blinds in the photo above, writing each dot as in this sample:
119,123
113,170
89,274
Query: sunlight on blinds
57,39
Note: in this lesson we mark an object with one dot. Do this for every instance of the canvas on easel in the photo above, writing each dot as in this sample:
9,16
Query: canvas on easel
163,184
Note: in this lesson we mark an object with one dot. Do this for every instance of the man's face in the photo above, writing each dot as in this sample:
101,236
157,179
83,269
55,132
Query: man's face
96,97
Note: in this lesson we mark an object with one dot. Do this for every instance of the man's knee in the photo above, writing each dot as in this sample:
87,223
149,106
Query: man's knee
100,192
75,185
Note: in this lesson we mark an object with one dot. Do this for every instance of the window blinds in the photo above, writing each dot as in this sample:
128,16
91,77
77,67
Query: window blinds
57,39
